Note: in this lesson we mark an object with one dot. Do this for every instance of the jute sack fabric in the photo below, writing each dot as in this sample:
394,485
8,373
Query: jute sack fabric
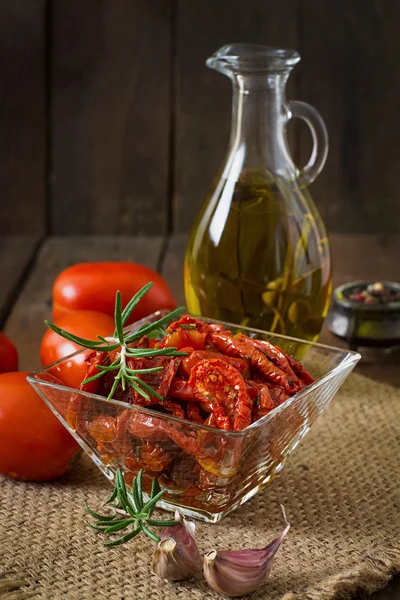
340,488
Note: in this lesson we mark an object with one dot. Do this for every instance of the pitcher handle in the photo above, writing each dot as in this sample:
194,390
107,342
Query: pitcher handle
311,116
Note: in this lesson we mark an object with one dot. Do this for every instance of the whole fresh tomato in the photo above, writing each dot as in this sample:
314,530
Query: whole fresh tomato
92,286
34,445
83,323
8,355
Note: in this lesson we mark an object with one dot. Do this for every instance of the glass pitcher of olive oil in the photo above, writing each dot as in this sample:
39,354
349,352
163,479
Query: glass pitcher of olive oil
258,254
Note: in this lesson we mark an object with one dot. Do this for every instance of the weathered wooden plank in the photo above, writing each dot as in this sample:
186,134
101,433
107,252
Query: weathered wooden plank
110,85
353,256
26,322
16,252
22,117
349,72
203,97
172,265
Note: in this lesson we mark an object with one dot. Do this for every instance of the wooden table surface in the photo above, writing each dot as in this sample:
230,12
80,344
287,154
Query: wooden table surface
29,266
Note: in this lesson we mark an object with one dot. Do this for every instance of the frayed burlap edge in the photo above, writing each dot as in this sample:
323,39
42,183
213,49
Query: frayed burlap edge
378,568
10,589
374,573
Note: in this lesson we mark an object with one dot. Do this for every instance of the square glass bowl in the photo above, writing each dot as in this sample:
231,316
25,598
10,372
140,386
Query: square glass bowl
205,472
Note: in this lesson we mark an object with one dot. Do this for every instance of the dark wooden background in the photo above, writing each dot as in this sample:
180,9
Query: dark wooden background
110,121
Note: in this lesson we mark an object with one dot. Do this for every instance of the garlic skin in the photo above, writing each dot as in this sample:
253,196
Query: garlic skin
240,572
177,556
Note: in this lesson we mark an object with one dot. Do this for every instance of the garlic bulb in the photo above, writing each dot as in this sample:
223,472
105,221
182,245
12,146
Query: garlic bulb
177,556
240,572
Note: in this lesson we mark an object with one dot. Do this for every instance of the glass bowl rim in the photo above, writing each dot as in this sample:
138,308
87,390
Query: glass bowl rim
349,357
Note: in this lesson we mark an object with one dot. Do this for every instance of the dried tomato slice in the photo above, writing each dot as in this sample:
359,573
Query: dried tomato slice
262,401
223,389
94,359
300,371
155,457
272,353
278,395
173,407
187,320
188,362
81,408
103,428
143,426
193,413
182,390
243,348
180,338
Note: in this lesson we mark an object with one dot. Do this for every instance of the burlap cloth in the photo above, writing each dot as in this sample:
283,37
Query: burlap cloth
340,488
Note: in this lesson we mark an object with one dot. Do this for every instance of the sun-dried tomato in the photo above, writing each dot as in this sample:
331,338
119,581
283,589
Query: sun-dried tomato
193,413
180,338
223,389
185,440
188,362
155,457
244,349
143,426
93,360
278,395
182,390
103,428
173,407
191,492
187,320
273,353
80,408
300,370
262,401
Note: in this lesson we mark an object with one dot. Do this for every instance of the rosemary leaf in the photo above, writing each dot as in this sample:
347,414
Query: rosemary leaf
145,386
111,499
93,378
149,533
138,500
101,517
154,326
155,487
139,389
150,505
124,538
152,370
91,344
119,330
166,523
138,481
134,301
118,526
122,495
114,387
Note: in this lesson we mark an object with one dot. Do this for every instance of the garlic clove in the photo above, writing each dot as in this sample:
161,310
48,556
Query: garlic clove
240,572
177,556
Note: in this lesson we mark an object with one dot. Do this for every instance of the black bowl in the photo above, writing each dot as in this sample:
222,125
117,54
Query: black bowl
376,325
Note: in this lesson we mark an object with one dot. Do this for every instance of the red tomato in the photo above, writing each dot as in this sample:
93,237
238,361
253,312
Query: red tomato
8,355
84,323
92,286
34,445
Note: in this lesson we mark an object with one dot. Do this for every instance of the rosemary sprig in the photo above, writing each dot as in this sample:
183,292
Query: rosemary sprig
122,340
138,515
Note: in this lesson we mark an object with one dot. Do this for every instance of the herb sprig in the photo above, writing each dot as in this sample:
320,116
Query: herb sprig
124,339
138,513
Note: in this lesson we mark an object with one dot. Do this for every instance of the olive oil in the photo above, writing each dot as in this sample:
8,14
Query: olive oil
259,256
